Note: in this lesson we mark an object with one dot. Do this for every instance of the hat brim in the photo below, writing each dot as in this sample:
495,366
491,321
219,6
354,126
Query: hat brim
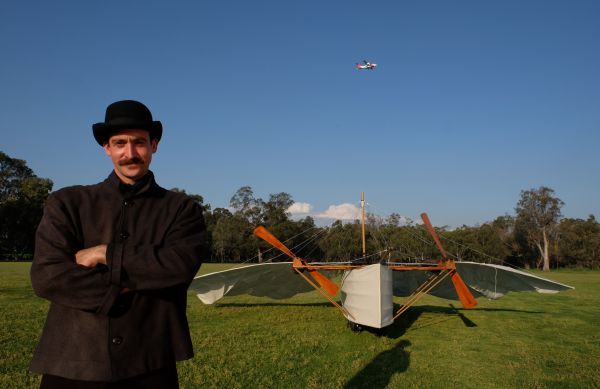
103,131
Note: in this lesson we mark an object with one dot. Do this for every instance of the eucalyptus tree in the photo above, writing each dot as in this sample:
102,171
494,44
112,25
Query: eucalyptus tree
246,205
275,211
232,231
538,214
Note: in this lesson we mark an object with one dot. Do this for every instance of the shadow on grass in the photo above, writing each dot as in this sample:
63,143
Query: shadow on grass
446,314
403,323
378,372
406,321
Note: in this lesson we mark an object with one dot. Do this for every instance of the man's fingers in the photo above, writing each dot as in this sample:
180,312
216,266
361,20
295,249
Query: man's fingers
91,256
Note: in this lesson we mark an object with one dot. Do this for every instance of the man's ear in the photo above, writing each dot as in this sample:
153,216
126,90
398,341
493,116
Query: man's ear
154,145
106,148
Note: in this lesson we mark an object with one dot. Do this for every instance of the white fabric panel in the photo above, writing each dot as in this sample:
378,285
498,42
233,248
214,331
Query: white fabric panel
275,280
367,295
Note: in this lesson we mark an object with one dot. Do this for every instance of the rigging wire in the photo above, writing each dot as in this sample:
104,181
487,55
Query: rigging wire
308,241
367,256
450,254
377,233
469,248
472,249
298,246
381,241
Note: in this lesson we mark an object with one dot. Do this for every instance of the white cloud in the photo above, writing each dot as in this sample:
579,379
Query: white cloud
344,211
300,208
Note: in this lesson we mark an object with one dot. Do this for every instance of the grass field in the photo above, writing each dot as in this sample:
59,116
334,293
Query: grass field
525,340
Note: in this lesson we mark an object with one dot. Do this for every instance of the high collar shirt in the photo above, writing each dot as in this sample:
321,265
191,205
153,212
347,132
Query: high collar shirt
126,318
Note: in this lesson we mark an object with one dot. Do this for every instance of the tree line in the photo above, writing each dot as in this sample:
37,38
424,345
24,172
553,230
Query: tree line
536,236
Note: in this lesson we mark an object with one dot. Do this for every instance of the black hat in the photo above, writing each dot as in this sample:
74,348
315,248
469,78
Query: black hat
126,115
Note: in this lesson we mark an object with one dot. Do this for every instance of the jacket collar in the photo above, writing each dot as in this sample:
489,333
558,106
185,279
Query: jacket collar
140,187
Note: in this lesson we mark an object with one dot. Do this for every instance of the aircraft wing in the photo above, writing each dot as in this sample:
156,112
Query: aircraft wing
275,280
279,281
494,281
482,279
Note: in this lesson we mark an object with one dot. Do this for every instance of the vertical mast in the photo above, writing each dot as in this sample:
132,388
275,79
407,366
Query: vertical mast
362,207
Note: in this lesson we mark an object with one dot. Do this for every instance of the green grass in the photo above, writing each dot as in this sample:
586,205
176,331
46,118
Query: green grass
525,340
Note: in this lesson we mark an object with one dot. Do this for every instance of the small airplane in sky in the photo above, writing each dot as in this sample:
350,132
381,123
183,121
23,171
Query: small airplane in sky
366,65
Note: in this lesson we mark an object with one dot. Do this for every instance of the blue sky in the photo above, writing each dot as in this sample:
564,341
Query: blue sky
472,101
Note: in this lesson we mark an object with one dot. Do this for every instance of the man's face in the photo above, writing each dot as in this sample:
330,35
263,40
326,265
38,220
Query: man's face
131,153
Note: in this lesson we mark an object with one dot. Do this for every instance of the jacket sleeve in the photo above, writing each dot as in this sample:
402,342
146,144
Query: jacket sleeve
174,262
55,275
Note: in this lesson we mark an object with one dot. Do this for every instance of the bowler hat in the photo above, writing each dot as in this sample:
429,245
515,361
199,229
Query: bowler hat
126,115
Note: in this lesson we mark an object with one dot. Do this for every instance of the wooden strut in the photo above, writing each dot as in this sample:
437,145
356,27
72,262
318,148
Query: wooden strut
425,288
362,224
442,270
338,306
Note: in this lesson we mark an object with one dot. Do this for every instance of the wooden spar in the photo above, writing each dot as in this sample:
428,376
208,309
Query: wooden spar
400,267
465,297
323,281
423,289
362,206
433,234
338,306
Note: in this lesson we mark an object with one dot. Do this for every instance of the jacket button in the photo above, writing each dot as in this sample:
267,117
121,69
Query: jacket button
117,340
124,235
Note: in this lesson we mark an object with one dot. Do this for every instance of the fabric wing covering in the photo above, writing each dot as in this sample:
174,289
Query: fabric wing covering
491,281
279,281
275,280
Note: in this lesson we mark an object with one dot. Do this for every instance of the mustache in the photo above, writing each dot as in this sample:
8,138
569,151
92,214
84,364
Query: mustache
131,161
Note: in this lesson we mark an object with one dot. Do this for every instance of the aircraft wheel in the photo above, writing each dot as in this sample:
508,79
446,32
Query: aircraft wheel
354,326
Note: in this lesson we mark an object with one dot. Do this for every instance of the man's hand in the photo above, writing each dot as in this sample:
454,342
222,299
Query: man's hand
91,256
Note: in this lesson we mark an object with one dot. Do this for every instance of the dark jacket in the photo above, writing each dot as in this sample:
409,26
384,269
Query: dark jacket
156,240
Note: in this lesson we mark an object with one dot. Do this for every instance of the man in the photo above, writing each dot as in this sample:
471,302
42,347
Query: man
115,260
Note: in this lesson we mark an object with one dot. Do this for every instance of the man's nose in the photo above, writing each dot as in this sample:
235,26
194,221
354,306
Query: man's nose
130,150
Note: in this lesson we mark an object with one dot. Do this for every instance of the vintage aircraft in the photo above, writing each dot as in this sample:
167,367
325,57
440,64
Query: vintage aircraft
366,65
368,290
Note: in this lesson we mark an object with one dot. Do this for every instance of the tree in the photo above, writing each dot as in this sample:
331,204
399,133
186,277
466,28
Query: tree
478,244
12,173
505,229
232,240
246,205
342,242
275,210
22,199
538,213
580,242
